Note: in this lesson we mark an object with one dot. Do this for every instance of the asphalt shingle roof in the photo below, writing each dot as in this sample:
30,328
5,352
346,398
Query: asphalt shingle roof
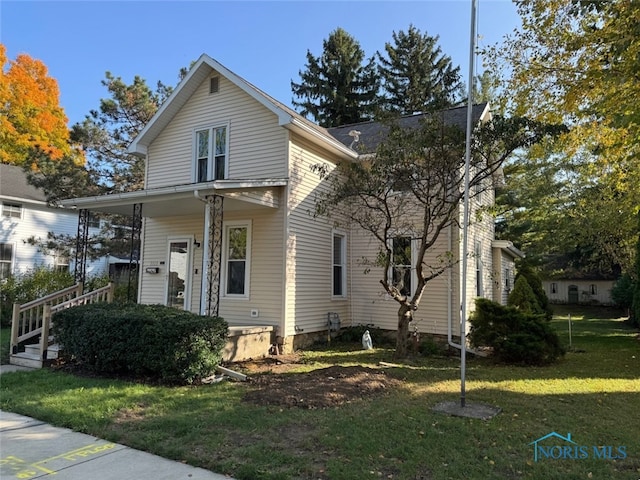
372,133
13,183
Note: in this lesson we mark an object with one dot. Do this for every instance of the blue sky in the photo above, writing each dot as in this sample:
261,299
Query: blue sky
263,41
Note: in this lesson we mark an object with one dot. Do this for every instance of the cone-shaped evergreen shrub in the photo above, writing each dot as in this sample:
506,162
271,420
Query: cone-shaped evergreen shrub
516,336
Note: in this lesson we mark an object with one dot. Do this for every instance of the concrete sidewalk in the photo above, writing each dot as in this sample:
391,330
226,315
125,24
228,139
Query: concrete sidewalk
31,449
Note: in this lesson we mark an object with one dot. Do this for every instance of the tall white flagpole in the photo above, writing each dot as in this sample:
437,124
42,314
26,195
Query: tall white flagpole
465,227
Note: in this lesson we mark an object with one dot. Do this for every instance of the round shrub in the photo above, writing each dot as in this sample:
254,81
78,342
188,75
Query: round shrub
172,345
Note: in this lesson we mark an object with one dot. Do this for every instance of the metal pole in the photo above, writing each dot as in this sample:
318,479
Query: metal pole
570,346
465,226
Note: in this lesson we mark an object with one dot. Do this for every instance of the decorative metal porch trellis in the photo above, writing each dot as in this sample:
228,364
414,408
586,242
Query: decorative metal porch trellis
214,241
82,245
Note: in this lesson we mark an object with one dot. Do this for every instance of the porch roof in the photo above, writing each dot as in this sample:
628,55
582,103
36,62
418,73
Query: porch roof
185,199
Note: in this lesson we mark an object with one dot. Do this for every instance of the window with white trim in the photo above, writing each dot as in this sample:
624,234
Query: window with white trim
237,250
6,259
339,265
93,221
13,210
211,153
401,249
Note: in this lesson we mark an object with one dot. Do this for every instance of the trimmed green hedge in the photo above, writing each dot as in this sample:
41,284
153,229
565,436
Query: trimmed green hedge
172,345
515,336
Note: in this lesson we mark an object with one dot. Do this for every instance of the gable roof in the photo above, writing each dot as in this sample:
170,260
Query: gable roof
371,134
13,184
202,69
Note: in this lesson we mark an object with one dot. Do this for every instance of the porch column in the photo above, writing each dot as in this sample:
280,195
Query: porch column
134,255
80,271
214,252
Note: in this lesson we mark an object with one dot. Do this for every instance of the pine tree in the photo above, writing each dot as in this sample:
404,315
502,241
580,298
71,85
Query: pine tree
338,87
416,75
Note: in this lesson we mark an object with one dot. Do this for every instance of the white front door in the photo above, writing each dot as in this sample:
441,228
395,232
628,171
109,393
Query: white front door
179,277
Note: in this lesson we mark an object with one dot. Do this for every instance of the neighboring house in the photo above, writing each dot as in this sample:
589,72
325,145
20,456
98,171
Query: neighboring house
579,290
227,226
25,214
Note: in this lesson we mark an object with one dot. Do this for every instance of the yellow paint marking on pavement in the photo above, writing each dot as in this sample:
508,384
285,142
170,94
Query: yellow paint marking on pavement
23,470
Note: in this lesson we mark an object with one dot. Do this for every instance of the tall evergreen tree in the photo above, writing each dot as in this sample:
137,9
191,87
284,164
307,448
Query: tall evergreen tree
339,87
416,75
106,133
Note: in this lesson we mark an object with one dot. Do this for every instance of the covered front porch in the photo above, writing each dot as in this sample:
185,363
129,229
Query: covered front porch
179,232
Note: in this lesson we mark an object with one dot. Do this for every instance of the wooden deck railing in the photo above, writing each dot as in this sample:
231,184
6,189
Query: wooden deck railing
34,318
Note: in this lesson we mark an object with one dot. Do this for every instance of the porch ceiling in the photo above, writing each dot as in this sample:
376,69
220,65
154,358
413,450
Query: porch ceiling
186,199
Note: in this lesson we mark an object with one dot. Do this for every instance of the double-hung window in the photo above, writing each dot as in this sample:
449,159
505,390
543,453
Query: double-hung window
211,154
6,257
237,241
13,210
401,264
339,264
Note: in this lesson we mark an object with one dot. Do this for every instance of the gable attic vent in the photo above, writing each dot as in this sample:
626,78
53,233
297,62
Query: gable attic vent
214,84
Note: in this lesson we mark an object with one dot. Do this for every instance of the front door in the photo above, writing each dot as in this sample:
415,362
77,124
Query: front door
574,297
178,278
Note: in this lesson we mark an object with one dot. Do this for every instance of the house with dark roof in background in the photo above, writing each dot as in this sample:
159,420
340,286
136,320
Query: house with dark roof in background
226,227
26,214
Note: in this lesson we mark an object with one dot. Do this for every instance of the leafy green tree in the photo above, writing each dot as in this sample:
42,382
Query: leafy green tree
339,87
413,184
577,63
416,75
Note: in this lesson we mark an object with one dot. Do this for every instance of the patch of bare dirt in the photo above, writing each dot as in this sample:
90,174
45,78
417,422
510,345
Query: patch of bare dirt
322,388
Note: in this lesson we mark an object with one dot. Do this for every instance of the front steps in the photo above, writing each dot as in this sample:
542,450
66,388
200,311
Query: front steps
31,356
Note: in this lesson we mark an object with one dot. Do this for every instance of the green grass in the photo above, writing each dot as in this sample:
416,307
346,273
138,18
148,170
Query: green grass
593,393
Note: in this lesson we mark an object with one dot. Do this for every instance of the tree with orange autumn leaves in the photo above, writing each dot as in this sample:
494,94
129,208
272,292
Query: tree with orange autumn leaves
31,118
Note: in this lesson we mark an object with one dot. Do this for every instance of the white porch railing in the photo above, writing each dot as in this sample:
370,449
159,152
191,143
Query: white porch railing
33,319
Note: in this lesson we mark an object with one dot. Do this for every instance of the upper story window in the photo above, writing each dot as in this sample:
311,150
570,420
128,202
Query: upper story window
11,210
339,255
6,258
211,154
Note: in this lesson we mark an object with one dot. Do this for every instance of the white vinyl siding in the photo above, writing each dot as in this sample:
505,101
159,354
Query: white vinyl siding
257,145
37,220
371,305
308,274
265,270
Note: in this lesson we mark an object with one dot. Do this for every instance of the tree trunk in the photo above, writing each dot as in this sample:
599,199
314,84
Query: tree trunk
405,315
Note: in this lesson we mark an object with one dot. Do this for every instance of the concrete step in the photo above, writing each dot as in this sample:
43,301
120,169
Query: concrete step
24,359
52,350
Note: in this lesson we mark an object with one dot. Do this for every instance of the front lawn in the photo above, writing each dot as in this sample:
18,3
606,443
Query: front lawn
593,394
